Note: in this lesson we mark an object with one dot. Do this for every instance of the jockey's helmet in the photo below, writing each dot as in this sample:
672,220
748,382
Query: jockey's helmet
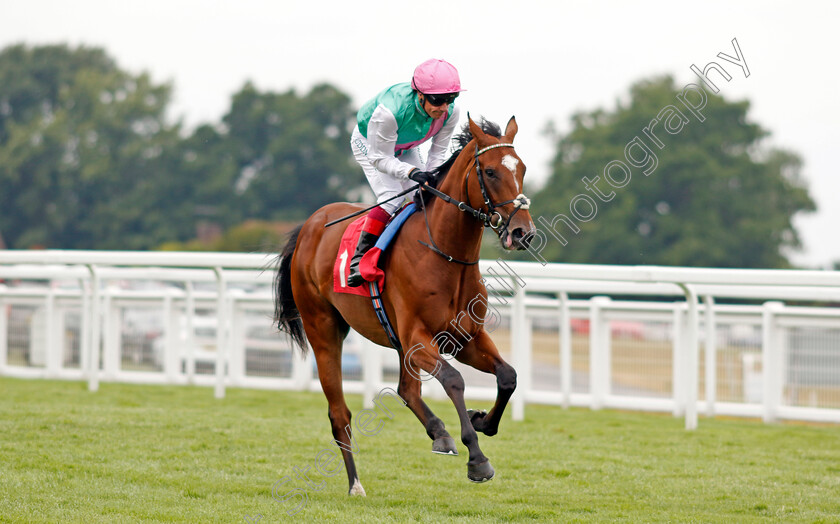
436,76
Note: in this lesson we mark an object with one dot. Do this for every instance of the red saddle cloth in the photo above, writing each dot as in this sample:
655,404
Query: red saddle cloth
368,265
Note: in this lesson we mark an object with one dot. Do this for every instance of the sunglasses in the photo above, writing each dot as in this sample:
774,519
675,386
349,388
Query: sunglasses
439,100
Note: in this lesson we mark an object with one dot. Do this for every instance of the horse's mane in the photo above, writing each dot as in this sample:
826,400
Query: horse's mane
462,139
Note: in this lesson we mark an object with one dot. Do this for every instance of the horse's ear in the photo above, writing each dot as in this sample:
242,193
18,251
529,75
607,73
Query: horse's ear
475,131
479,135
511,129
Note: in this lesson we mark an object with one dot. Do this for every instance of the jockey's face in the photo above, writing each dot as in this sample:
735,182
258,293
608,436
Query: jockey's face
433,111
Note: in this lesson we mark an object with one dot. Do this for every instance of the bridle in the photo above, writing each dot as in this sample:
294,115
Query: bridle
520,202
489,218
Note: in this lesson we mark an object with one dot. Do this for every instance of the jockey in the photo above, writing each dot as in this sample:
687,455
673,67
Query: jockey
390,127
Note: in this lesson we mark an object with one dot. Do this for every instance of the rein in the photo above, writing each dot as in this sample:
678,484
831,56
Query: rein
486,218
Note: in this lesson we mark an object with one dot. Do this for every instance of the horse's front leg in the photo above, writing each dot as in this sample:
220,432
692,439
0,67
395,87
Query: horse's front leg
419,357
410,390
481,353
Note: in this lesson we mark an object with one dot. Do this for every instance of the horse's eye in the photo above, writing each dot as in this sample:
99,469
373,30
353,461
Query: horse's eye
490,173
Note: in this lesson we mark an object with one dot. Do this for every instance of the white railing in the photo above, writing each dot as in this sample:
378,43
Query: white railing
204,318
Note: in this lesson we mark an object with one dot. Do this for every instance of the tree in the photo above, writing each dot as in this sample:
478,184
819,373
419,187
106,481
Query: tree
249,236
205,167
292,152
80,145
274,157
657,181
88,159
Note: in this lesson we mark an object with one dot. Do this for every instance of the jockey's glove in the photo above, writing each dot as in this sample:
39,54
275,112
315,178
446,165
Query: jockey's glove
422,177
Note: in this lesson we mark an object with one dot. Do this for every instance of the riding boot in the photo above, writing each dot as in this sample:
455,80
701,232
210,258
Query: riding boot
366,241
375,222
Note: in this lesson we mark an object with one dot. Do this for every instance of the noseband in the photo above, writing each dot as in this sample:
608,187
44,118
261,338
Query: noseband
489,218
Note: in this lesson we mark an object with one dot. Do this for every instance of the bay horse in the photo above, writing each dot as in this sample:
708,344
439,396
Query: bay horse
432,279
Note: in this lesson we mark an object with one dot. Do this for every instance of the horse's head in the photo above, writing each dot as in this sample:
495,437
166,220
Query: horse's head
500,177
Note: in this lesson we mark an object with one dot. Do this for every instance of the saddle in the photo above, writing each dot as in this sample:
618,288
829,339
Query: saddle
369,266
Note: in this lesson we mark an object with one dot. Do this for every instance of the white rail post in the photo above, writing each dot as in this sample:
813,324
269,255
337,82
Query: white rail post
85,329
171,360
771,361
111,339
53,355
599,360
520,343
691,361
302,367
677,360
95,340
4,332
221,332
237,350
711,355
371,371
60,329
565,350
189,342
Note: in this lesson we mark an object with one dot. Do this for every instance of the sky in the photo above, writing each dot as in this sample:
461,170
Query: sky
540,61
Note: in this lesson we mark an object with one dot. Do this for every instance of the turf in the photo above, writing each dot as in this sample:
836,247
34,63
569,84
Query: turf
175,454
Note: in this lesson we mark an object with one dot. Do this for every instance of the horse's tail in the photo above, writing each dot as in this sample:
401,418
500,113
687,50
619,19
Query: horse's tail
286,314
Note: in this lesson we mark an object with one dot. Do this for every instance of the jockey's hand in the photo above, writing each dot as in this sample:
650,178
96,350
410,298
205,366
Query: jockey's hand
422,177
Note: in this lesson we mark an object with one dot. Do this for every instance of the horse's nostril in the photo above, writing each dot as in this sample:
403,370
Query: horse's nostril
521,237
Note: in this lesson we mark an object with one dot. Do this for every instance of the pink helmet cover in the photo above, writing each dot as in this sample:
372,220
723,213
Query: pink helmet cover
436,77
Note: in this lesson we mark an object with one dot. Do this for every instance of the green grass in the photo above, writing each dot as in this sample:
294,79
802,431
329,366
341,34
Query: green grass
175,454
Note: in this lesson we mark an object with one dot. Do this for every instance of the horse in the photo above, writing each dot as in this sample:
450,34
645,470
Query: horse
432,279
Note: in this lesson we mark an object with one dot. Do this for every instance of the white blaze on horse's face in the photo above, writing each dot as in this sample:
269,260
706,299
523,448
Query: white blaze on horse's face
510,162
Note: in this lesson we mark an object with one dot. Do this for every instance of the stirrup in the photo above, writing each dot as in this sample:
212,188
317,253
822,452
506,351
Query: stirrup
355,278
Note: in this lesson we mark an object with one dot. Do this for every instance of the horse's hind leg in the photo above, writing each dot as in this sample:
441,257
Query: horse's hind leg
481,353
409,390
326,334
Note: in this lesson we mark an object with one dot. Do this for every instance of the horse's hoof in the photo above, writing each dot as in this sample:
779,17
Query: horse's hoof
480,473
357,490
444,446
478,419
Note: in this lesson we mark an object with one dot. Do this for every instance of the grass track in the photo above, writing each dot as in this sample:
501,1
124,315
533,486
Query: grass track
175,454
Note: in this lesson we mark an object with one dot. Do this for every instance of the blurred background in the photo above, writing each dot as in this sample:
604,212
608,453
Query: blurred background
218,125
